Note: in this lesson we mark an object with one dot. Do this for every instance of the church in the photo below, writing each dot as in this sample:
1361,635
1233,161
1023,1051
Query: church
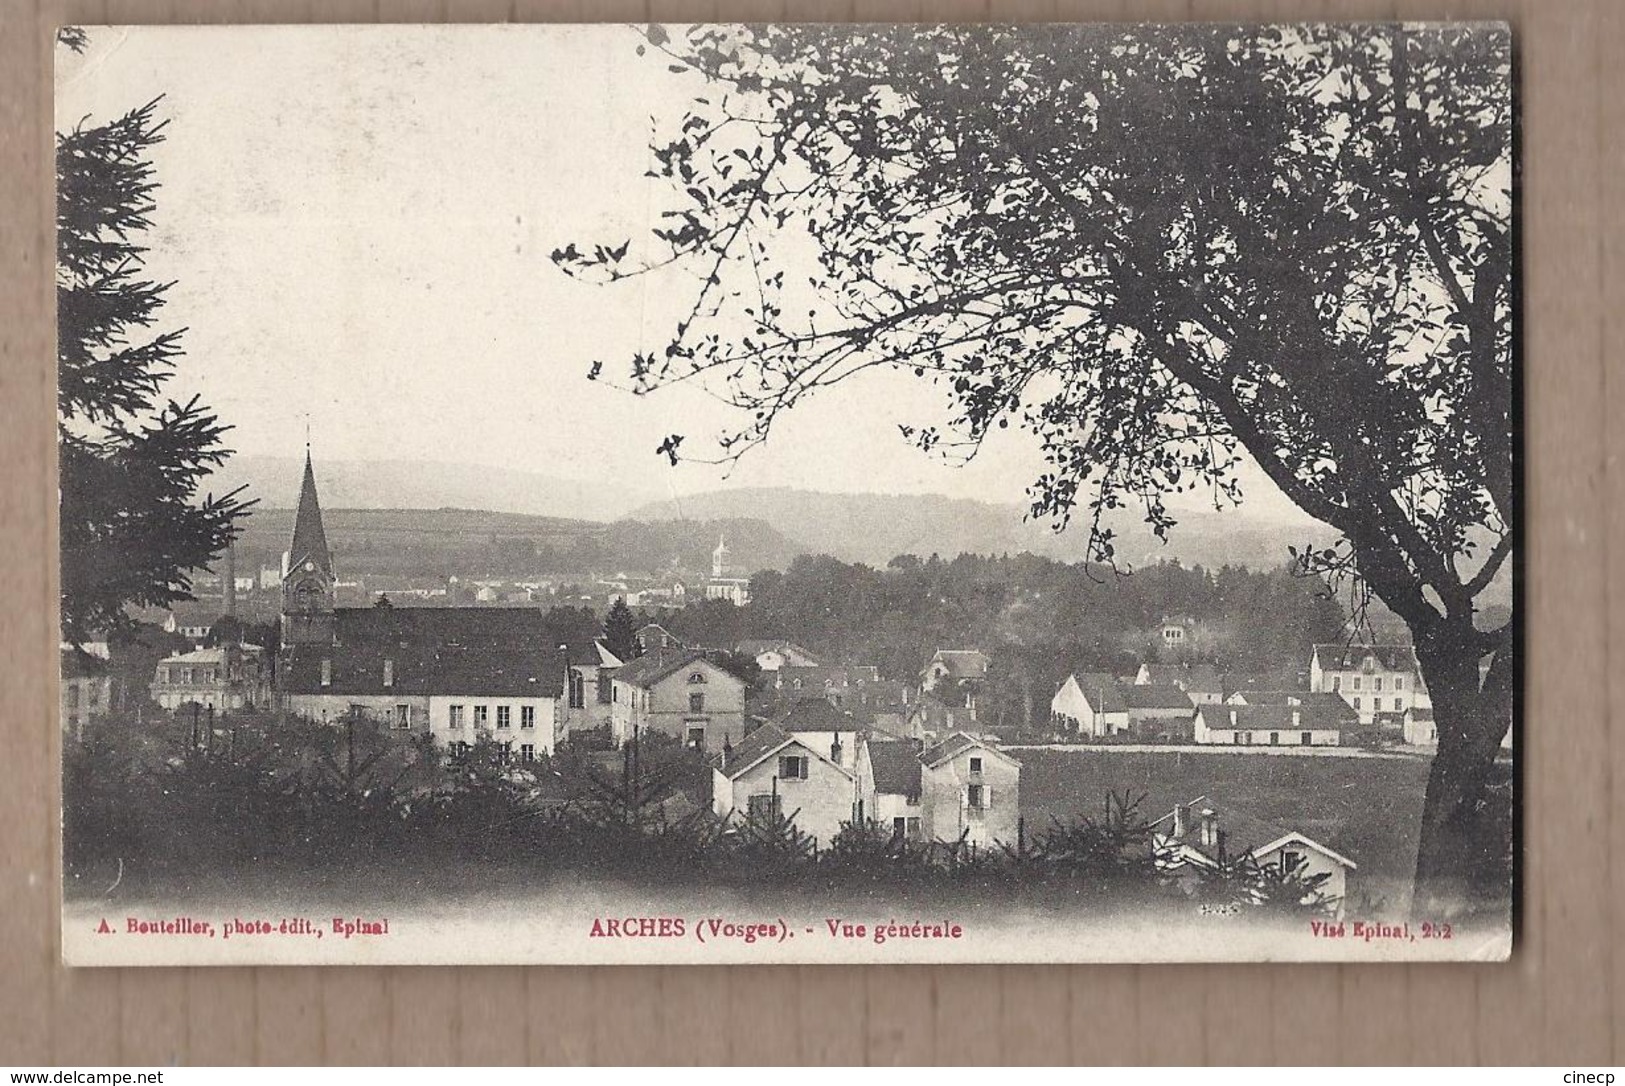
456,674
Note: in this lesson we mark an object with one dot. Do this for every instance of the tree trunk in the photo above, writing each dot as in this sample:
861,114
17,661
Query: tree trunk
1463,848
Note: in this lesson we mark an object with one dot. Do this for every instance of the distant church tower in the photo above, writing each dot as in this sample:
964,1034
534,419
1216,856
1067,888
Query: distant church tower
719,558
308,594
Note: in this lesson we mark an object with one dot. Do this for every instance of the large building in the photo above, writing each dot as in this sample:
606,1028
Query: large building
680,693
459,674
721,586
1371,678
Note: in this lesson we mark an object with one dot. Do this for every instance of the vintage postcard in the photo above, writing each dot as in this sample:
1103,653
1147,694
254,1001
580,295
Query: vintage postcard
787,493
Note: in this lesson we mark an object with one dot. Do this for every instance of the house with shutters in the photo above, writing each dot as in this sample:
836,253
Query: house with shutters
1371,678
771,773
680,693
1204,834
1089,704
969,790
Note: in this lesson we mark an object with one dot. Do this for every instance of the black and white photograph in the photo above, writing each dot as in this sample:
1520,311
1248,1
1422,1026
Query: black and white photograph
788,493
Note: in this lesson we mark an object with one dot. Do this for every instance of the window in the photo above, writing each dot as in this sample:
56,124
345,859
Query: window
1290,861
1305,739
913,800
1356,703
899,826
696,703
696,677
914,827
527,716
976,765
459,750
976,796
1275,739
615,694
1235,737
763,807
454,718
1376,684
1356,682
1337,683
793,767
389,672
1398,704
504,752
696,736
527,752
403,717
1399,682
327,673
482,716
578,690
504,716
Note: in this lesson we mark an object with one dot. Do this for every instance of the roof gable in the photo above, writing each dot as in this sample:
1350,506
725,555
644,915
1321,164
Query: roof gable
764,743
654,667
895,767
955,745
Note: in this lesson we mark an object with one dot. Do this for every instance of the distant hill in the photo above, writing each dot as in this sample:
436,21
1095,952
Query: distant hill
873,528
412,484
471,543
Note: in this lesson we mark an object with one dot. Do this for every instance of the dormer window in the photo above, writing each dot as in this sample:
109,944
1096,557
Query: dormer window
696,677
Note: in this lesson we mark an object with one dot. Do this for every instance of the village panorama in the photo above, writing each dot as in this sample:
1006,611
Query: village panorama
786,493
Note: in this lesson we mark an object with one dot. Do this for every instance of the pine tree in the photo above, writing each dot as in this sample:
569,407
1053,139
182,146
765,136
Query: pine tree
130,464
620,630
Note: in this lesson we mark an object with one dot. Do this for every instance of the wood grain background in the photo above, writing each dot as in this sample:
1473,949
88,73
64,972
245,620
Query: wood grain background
1560,1001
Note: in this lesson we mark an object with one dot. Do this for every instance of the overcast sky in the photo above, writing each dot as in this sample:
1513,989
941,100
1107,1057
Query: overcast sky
358,220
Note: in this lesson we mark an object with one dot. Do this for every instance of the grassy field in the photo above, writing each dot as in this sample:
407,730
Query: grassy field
1368,809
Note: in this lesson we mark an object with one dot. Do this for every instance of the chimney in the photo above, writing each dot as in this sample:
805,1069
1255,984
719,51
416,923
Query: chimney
727,750
1295,716
1182,819
1210,828
835,746
1232,718
230,587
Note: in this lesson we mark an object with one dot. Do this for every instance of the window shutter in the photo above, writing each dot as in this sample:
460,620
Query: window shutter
987,796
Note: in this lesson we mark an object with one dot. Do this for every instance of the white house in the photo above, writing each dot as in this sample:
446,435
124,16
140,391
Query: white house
1203,834
522,722
772,772
888,787
969,789
1089,704
1268,725
1371,678
228,677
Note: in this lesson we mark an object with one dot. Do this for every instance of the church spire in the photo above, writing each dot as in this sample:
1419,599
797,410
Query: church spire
309,538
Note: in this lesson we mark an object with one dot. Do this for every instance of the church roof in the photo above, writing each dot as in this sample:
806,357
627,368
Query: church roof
309,539
436,650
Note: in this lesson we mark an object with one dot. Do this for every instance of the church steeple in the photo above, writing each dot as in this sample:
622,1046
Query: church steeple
719,558
308,589
309,538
